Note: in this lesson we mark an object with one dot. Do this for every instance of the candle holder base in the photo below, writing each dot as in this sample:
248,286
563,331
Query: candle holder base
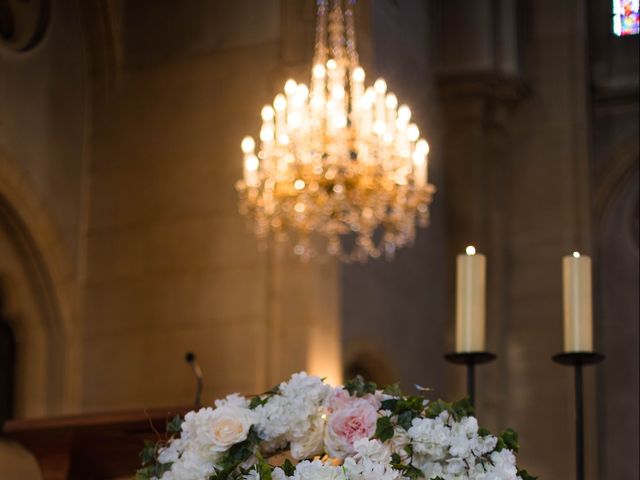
470,359
577,360
466,358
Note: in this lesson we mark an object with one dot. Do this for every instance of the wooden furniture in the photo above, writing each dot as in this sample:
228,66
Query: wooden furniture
93,446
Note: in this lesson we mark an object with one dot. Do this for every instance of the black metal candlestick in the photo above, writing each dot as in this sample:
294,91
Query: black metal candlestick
578,360
470,359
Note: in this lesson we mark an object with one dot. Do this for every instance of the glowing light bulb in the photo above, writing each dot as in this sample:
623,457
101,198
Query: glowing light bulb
298,184
302,91
318,70
422,146
251,163
391,101
369,96
283,139
470,250
413,133
331,64
266,133
337,92
299,207
404,113
380,86
358,74
267,113
576,254
280,103
290,86
247,145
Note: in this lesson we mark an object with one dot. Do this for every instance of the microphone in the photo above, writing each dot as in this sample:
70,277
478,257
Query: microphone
190,358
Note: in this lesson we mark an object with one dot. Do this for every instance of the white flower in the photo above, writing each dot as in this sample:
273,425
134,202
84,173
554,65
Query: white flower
190,466
504,466
312,443
218,430
290,413
317,470
373,450
430,436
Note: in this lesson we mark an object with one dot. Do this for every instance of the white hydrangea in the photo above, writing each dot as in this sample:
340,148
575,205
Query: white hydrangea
430,436
290,413
191,465
316,470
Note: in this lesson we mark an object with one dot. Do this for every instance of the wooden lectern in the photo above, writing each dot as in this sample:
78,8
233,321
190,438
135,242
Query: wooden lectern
90,447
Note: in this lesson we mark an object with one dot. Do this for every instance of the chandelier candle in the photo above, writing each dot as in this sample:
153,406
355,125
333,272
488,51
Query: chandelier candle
470,301
578,329
340,167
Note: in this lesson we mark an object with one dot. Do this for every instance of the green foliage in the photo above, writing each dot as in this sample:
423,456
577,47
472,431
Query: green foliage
236,455
288,468
524,475
384,429
150,465
407,470
458,410
263,398
358,387
393,390
508,439
174,425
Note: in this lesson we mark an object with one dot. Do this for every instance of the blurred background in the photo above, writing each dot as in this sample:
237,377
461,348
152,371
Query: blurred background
121,247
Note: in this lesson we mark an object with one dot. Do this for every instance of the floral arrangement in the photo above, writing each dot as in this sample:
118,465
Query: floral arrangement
304,429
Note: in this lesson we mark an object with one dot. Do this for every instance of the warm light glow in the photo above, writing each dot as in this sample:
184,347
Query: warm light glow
290,86
267,113
576,254
391,101
422,146
358,74
404,113
251,163
337,156
248,145
280,102
380,86
318,70
470,250
413,132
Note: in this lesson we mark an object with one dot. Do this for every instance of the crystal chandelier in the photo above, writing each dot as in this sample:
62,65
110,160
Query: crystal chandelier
340,169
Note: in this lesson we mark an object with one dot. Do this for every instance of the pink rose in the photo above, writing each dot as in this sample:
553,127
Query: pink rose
339,398
356,420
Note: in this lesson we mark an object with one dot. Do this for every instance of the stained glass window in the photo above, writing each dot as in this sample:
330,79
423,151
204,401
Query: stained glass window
626,17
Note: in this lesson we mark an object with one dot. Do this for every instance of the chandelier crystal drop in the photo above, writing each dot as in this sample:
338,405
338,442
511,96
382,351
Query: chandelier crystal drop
340,168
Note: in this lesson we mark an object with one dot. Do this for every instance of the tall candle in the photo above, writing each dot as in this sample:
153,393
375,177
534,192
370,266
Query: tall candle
470,301
578,329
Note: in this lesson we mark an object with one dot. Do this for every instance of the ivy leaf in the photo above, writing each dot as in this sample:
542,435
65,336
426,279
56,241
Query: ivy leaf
405,419
358,387
462,408
393,390
288,468
174,425
524,475
483,432
148,453
257,401
384,429
510,439
389,404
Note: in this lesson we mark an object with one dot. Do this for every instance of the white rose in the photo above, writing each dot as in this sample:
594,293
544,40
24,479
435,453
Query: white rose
313,442
227,426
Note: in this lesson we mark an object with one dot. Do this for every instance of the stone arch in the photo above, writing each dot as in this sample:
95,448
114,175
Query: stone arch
38,290
616,284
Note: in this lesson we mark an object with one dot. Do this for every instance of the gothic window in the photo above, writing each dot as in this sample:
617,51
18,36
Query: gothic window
626,17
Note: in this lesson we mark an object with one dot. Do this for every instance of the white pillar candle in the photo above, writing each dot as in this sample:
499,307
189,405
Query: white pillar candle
578,329
470,301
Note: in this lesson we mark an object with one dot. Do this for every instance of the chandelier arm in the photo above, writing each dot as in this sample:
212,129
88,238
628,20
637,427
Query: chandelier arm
352,52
